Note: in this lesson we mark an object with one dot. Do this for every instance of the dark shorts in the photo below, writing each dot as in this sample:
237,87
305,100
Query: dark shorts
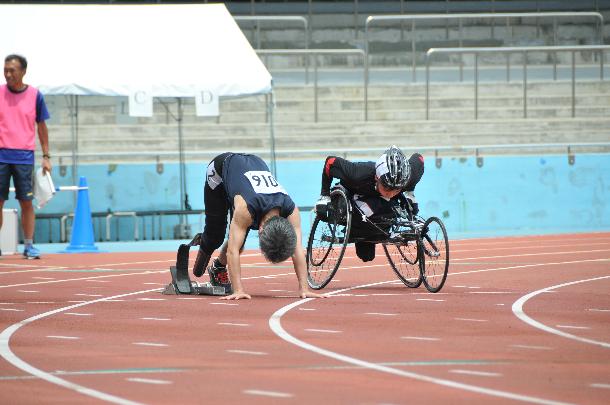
22,179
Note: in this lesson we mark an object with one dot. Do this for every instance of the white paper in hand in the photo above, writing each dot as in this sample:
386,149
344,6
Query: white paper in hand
44,189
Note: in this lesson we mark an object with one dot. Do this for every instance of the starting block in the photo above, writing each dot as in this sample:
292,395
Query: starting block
181,282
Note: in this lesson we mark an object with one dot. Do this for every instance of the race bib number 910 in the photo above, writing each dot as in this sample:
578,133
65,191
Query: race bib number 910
264,182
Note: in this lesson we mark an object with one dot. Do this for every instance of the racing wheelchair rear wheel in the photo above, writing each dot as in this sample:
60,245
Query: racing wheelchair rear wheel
328,239
435,251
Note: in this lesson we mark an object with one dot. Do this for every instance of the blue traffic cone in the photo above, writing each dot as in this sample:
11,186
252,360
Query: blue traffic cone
82,239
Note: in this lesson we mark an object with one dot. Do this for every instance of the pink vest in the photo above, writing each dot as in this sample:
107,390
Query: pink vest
18,119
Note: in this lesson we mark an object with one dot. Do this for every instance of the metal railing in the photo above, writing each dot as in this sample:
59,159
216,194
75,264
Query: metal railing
509,50
315,53
466,16
286,18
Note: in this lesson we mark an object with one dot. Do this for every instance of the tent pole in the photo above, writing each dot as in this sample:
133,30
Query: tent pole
183,195
74,133
270,106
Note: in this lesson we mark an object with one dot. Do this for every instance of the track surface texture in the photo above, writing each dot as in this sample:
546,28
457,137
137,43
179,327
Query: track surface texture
520,319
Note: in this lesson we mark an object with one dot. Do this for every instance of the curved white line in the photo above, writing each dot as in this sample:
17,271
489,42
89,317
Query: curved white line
518,311
6,352
276,326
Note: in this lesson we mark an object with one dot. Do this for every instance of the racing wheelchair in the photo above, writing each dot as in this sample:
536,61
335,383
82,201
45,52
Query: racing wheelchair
417,249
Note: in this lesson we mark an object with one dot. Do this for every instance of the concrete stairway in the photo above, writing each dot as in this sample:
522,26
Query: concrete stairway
396,115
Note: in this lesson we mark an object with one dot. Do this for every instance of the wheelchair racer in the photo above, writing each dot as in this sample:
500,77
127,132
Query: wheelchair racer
375,188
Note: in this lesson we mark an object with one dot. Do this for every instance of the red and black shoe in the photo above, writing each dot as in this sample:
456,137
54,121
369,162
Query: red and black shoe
219,276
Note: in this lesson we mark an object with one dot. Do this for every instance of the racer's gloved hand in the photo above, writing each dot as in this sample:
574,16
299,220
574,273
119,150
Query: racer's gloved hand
322,205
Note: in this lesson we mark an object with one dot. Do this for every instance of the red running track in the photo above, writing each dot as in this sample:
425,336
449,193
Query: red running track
522,319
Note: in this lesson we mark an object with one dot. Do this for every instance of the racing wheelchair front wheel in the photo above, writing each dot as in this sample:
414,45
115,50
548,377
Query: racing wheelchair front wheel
328,240
403,258
435,251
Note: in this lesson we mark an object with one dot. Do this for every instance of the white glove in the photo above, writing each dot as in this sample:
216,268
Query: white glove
322,204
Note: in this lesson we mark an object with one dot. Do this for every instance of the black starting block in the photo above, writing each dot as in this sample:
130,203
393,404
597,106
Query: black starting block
181,282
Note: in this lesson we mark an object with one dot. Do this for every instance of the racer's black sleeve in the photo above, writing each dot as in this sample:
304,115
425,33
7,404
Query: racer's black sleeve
356,177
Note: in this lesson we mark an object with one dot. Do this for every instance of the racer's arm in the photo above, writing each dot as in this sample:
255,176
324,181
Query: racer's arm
298,258
237,233
416,162
338,168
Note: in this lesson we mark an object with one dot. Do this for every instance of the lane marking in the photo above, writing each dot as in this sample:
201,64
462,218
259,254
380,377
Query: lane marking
571,327
12,309
77,314
28,291
517,309
276,326
429,299
598,310
600,385
236,351
149,381
273,394
89,295
307,309
223,303
470,320
99,372
155,319
151,299
152,344
323,330
532,347
44,278
63,337
232,324
477,373
379,313
9,356
432,339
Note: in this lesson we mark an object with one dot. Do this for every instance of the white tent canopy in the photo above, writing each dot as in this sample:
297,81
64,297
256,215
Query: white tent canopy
118,50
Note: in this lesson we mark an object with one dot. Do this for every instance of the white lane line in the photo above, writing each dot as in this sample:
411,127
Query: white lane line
63,337
600,385
223,303
598,310
280,291
517,308
470,320
44,278
151,299
500,305
572,327
532,347
77,314
155,284
41,302
28,291
155,319
273,394
431,339
89,295
236,351
78,302
429,299
12,309
9,356
323,330
152,344
233,324
307,309
149,381
276,326
7,303
379,314
97,281
477,373
474,287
